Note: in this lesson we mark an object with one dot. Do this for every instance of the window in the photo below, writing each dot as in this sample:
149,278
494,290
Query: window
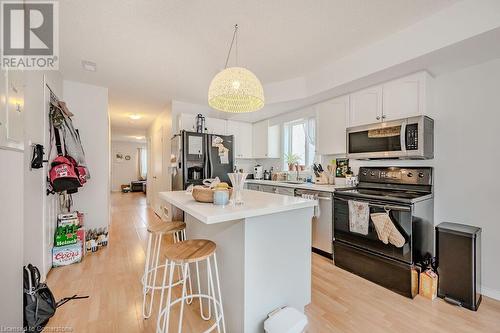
299,138
143,163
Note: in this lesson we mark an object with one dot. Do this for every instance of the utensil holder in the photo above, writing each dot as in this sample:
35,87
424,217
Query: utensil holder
238,182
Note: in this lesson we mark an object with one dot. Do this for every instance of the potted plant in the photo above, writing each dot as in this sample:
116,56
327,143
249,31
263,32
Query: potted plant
292,160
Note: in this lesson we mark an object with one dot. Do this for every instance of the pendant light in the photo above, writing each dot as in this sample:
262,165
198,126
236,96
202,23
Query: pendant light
235,89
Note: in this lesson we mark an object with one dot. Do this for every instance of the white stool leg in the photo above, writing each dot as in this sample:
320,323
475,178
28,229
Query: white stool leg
212,291
164,280
199,298
218,291
183,295
166,318
158,240
145,277
155,258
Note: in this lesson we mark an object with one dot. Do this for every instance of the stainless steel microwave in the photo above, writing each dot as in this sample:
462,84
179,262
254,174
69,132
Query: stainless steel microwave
409,138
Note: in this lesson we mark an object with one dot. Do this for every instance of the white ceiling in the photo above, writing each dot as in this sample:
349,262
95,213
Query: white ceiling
151,52
128,134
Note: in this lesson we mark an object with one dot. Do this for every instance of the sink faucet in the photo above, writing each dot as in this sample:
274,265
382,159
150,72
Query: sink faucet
297,169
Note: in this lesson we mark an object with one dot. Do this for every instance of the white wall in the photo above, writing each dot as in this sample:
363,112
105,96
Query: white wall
163,125
90,105
125,171
11,246
466,111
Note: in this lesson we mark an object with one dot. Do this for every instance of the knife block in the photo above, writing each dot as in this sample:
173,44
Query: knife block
322,179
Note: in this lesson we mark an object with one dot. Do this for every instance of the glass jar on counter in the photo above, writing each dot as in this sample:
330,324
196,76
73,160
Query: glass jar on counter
221,197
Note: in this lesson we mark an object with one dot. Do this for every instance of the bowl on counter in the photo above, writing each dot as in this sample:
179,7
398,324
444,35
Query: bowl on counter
206,194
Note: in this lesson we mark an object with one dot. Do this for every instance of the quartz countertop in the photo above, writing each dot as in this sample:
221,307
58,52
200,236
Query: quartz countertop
255,204
305,186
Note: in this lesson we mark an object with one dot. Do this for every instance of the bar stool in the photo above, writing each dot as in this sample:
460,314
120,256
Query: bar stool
156,232
188,252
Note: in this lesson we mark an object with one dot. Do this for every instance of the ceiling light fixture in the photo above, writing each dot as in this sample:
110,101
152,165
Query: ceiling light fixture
89,66
135,116
235,89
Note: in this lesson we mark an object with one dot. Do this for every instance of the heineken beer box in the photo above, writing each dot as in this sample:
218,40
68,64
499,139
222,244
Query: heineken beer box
66,255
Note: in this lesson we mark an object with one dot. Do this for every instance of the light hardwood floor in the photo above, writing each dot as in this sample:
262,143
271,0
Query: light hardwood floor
341,302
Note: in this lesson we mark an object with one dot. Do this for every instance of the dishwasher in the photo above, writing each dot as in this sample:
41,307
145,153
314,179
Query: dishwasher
322,222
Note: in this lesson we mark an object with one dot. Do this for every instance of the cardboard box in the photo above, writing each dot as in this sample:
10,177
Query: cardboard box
67,255
428,284
66,235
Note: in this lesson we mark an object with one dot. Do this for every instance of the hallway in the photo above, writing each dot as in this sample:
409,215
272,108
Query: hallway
111,277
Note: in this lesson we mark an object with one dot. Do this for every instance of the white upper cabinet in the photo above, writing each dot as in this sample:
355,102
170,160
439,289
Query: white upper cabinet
405,97
243,138
266,140
215,126
187,122
331,122
401,98
366,106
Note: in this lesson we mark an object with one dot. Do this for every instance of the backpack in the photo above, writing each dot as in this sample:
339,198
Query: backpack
65,174
39,302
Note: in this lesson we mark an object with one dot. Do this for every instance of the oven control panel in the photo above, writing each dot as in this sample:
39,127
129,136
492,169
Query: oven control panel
396,175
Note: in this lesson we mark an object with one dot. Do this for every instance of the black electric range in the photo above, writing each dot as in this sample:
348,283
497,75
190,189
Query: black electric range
405,195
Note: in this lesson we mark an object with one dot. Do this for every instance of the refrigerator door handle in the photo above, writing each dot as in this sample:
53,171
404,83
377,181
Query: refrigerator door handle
209,154
206,171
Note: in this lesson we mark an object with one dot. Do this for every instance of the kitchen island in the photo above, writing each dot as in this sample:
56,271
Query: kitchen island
263,251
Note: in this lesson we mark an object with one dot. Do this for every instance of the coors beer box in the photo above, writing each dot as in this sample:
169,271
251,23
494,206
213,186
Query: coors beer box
67,255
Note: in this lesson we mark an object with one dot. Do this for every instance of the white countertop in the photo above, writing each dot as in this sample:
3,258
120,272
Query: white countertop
255,204
305,186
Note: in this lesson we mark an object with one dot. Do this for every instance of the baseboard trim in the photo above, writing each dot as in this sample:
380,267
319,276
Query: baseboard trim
491,293
322,253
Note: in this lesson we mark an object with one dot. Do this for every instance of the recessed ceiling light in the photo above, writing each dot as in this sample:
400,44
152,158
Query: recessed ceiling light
135,116
89,66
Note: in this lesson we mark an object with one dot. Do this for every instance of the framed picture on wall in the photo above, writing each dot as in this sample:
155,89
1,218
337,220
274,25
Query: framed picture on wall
119,157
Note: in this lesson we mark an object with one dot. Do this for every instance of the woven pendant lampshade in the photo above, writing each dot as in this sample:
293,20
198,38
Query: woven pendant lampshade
235,89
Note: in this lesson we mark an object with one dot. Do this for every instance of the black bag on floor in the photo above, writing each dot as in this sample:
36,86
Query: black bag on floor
39,302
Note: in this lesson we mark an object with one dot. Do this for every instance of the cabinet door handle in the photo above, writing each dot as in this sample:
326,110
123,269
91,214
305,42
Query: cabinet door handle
378,117
383,116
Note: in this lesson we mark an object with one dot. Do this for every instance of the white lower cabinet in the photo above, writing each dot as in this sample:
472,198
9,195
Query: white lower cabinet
243,138
331,122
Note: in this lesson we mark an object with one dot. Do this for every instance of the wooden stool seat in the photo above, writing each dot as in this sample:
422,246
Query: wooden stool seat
166,227
190,251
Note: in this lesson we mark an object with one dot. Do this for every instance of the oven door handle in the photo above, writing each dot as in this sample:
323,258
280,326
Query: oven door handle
385,207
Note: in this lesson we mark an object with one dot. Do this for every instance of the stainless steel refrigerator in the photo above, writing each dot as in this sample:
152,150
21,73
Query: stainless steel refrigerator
198,156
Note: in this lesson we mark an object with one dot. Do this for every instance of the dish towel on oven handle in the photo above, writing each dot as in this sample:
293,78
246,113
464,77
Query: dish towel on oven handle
386,230
317,212
359,217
